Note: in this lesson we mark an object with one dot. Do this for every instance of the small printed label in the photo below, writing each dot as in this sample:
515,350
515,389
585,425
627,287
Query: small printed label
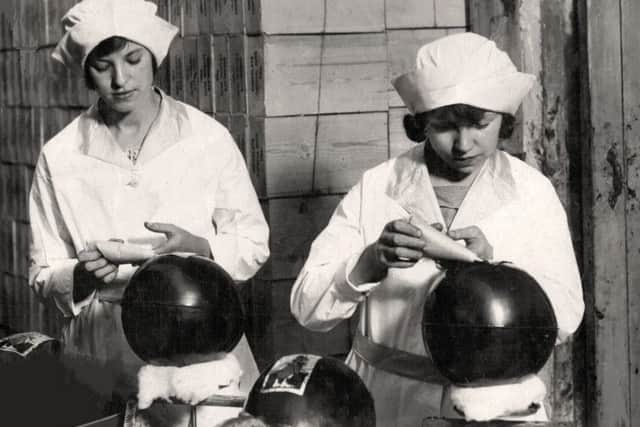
290,374
23,343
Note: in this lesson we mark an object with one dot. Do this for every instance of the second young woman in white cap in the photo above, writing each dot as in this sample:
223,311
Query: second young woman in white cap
138,166
462,98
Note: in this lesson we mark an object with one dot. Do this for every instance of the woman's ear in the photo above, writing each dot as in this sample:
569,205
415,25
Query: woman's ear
414,128
507,126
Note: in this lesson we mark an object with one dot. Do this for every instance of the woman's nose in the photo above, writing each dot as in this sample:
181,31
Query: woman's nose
118,77
464,140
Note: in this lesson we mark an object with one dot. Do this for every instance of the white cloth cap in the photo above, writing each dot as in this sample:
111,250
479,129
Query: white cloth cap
463,68
90,22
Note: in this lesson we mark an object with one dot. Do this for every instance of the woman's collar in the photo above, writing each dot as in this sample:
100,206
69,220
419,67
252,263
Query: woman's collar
410,185
410,169
170,126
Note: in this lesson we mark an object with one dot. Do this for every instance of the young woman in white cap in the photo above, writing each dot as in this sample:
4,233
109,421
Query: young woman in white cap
462,98
137,166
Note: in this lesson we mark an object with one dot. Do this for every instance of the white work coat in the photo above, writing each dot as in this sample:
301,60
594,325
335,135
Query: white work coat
516,208
189,173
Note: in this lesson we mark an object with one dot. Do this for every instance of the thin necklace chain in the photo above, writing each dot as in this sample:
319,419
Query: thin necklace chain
134,153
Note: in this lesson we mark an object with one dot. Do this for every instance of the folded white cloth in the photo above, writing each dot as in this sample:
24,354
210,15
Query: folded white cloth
497,401
439,246
189,384
124,253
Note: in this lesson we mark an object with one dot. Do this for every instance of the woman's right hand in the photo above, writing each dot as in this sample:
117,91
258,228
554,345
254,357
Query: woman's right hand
92,262
400,245
92,271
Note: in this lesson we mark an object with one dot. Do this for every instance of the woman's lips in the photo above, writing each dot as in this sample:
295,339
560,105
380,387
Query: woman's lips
123,95
465,160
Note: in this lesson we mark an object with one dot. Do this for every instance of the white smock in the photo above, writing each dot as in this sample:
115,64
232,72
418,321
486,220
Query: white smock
516,208
189,173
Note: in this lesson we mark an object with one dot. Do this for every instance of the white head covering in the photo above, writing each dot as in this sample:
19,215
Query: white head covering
463,68
90,22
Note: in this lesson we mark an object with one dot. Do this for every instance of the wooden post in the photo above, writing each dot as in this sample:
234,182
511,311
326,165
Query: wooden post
630,17
609,264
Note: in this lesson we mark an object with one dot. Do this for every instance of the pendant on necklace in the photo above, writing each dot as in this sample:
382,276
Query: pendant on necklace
132,155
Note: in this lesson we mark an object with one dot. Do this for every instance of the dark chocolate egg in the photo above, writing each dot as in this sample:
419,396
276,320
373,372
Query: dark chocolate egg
487,323
304,389
178,310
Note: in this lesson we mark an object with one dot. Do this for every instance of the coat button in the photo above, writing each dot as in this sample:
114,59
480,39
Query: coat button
134,179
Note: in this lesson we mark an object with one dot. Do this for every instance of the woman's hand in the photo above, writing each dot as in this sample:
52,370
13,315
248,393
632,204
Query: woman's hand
179,240
475,239
400,245
92,271
92,262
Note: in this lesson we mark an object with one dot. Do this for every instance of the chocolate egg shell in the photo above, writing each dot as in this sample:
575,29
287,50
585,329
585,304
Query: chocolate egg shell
487,323
179,309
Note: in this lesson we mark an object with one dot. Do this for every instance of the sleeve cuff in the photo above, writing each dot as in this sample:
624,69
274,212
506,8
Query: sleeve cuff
62,276
347,289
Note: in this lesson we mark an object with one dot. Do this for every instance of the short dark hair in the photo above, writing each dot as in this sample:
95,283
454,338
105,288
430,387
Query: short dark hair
107,47
466,115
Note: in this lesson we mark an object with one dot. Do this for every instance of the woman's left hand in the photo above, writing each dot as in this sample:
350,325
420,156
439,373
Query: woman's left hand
178,240
475,239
